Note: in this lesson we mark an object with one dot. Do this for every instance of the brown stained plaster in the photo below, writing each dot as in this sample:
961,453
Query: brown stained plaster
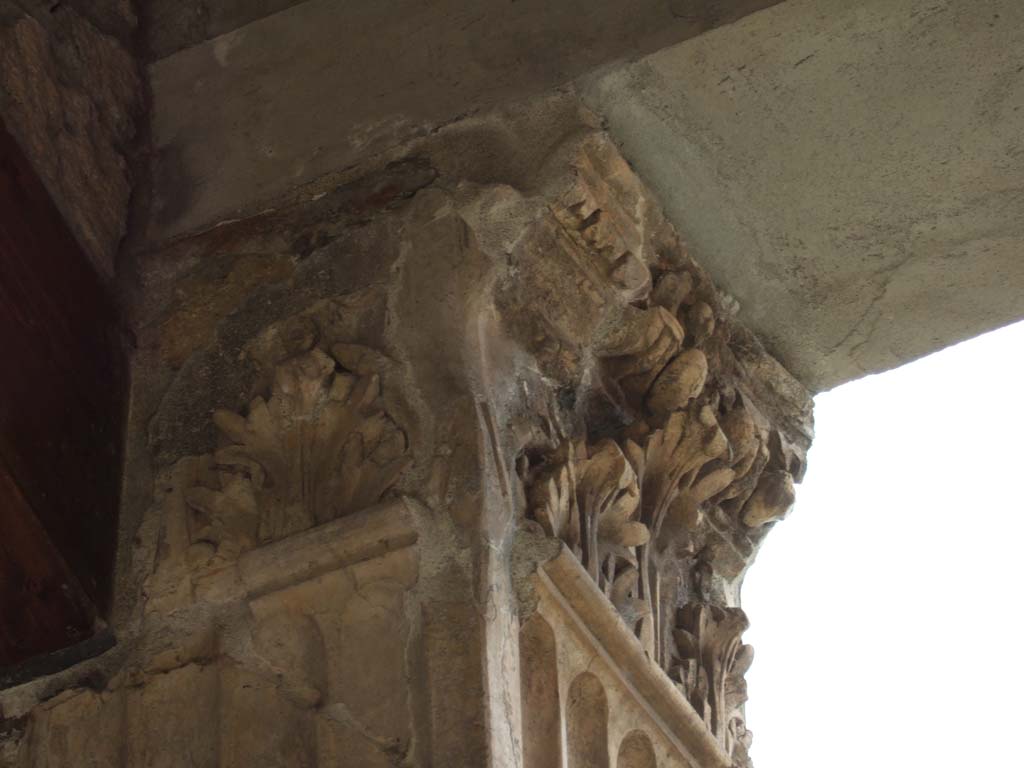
273,243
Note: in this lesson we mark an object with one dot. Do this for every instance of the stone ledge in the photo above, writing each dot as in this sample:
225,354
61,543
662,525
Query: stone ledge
304,556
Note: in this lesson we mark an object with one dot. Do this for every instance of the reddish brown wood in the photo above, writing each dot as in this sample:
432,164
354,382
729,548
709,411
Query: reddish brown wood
43,607
62,396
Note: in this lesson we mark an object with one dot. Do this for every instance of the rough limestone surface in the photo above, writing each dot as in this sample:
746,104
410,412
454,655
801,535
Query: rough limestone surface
172,25
348,411
71,95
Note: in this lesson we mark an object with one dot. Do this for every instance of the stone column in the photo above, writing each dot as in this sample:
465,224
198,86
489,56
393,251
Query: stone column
456,459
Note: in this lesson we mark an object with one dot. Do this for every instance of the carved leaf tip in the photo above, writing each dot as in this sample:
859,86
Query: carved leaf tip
772,500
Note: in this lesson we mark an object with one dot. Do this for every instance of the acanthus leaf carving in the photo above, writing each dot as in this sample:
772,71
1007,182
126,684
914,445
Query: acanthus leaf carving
609,503
590,500
639,348
319,447
668,467
710,663
669,381
679,382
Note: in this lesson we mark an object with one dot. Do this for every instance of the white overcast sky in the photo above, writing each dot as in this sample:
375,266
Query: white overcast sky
886,610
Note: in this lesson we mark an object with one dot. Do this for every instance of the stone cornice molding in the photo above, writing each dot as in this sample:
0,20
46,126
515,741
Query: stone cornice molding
565,588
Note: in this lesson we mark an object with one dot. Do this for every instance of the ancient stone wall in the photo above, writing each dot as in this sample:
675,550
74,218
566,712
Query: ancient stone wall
411,451
72,95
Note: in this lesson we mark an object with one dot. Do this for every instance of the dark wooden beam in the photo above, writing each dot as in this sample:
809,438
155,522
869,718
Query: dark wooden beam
43,606
62,399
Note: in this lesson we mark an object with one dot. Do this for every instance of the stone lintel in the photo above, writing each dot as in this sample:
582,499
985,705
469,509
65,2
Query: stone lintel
245,117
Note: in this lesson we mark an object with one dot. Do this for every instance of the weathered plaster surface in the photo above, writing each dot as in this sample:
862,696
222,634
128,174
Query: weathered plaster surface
850,172
248,115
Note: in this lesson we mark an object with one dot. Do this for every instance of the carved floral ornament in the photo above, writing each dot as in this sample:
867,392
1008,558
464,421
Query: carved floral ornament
320,446
694,467
688,455
711,664
691,464
609,502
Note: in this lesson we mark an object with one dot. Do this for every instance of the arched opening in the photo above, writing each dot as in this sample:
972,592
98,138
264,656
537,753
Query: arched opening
538,676
587,723
636,752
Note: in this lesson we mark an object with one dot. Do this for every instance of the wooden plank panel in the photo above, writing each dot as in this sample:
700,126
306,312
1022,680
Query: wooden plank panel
62,397
42,607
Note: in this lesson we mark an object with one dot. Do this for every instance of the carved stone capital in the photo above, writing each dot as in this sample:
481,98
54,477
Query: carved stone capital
353,410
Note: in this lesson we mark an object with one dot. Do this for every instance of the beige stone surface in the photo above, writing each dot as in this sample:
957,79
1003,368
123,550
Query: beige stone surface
849,171
261,726
360,618
75,726
450,450
305,673
178,707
